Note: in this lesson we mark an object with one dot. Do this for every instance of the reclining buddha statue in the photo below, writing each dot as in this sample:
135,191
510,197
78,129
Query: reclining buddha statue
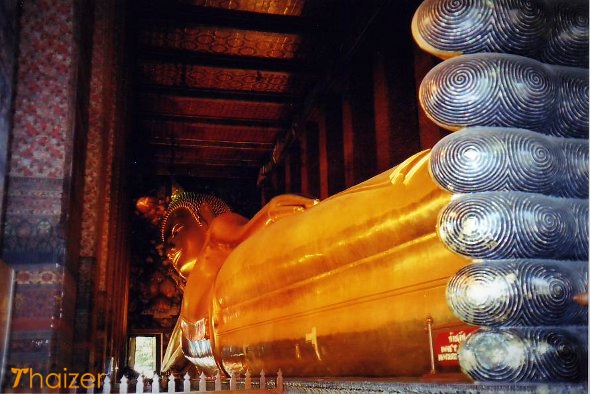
304,283
487,231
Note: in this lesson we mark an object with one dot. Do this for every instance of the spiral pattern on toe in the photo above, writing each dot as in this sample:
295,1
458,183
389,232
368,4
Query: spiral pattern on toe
581,212
463,81
490,355
468,162
572,109
552,32
540,163
575,183
504,159
477,227
533,89
541,228
518,27
525,354
484,295
466,16
500,90
549,288
562,361
567,43
504,225
519,292
479,159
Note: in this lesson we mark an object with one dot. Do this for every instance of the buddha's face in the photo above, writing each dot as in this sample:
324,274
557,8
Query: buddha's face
184,238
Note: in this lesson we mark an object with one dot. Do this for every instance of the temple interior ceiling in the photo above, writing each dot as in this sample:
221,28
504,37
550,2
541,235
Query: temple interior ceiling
218,82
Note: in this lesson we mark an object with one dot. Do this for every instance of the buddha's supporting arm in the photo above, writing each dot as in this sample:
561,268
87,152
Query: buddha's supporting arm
232,228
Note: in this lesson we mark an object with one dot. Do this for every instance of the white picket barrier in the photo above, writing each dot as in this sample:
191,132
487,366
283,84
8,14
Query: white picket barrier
205,384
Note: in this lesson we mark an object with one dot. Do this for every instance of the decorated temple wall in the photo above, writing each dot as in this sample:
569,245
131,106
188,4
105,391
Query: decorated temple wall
8,36
33,236
44,179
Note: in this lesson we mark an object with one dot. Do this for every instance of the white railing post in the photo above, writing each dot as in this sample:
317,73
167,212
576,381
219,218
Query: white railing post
232,380
74,383
279,383
106,385
91,383
218,381
187,383
262,380
156,383
123,385
171,384
248,380
139,386
202,383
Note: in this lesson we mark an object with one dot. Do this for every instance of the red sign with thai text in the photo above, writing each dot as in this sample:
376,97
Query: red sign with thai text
446,346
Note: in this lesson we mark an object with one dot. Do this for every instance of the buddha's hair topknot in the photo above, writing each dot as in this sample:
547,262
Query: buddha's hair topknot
193,202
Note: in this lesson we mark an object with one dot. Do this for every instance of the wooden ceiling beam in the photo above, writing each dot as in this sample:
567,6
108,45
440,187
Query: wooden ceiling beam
173,160
200,143
220,94
189,15
261,123
188,57
226,171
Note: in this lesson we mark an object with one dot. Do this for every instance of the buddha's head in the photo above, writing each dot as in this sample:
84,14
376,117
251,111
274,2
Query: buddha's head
185,225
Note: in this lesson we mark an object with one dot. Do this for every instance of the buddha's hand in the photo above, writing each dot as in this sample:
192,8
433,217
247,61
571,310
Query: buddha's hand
286,205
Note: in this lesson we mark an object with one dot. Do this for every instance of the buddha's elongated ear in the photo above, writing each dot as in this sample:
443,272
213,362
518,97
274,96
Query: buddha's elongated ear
202,207
206,212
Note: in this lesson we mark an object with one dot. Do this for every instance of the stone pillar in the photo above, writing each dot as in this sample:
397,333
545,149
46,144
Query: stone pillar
89,340
348,132
332,122
360,142
398,128
104,253
294,167
323,156
310,159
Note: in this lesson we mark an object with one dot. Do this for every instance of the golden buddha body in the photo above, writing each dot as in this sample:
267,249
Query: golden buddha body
340,287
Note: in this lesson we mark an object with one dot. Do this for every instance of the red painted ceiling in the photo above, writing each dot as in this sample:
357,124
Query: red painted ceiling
218,82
